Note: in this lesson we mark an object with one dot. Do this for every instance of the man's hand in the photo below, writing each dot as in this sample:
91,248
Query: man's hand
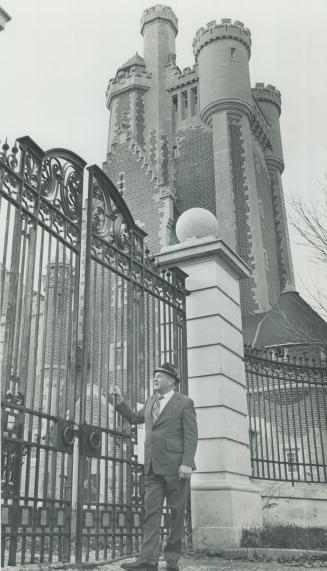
184,472
115,392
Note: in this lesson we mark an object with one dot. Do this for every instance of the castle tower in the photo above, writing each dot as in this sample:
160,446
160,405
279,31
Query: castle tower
269,101
202,137
159,27
222,52
125,102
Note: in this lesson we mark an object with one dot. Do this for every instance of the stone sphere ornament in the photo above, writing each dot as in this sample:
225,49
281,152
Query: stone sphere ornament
196,223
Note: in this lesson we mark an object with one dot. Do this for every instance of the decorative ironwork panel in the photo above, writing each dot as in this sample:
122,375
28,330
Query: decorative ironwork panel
133,317
40,221
80,311
287,403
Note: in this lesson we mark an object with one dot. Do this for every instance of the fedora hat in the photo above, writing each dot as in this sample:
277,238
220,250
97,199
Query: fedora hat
170,370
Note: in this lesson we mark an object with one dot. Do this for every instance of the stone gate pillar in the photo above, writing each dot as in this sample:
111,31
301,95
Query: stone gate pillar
224,501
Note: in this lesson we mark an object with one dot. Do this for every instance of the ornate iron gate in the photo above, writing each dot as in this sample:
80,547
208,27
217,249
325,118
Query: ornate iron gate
83,306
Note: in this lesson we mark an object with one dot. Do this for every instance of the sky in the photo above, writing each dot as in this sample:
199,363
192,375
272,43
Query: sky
57,56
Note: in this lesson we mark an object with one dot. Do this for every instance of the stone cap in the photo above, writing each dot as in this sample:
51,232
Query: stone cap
159,12
226,29
203,249
269,93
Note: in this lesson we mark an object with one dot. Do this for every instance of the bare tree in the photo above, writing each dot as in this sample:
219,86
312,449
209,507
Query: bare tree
310,221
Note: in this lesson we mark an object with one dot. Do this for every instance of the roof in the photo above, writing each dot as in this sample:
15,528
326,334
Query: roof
135,60
4,18
291,320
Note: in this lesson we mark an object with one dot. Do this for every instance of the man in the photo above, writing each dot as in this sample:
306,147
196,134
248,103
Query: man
170,444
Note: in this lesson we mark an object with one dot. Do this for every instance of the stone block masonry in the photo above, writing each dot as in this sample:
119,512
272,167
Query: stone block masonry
224,501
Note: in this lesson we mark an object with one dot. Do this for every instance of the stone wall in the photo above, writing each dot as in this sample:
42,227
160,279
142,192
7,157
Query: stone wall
300,504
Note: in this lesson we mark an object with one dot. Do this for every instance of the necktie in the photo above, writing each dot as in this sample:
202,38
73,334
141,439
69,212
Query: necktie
156,408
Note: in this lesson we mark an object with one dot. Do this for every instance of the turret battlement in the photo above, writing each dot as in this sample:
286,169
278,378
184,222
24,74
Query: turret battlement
225,30
159,12
180,78
123,76
269,93
127,81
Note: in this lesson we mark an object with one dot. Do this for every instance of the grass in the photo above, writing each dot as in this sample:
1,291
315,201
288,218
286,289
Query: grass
285,537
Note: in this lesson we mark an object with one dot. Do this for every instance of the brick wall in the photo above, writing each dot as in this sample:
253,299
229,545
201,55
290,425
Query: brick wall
267,224
241,208
140,193
194,170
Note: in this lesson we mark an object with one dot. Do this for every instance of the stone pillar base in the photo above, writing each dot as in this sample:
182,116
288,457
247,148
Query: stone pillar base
221,512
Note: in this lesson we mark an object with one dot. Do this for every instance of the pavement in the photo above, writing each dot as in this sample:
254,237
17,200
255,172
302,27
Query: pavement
193,562
198,563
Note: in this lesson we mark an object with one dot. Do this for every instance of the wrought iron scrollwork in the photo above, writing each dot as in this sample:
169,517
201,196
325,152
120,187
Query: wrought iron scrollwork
61,184
31,169
107,221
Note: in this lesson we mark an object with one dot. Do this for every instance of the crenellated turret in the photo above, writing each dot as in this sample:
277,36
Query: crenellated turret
269,101
125,101
159,27
159,12
222,52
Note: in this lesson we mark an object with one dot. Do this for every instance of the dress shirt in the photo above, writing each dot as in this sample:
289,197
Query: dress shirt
165,399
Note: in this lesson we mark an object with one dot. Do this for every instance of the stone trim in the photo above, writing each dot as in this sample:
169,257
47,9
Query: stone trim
230,105
274,163
211,485
241,209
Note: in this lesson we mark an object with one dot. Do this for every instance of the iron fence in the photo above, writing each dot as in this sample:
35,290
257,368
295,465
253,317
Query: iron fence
83,306
287,407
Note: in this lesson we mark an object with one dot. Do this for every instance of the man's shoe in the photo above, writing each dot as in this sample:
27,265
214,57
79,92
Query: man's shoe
140,565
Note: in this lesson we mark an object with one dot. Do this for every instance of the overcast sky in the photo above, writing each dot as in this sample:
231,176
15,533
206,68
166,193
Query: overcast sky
56,57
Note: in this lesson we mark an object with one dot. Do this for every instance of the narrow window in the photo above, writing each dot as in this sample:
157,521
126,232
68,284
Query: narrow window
194,101
260,204
291,458
121,183
184,105
233,54
266,260
174,101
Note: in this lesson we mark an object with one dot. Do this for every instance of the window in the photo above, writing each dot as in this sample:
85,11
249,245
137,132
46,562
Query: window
174,101
291,459
233,54
266,260
184,105
260,205
194,101
280,352
121,183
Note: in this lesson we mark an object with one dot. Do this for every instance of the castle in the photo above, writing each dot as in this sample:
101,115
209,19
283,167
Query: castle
202,137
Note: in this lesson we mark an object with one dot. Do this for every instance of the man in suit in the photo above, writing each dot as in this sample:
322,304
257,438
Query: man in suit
170,444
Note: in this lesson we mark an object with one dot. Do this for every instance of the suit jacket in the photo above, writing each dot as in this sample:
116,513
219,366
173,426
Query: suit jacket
172,439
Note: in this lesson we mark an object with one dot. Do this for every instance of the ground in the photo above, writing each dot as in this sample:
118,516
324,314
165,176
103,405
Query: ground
192,563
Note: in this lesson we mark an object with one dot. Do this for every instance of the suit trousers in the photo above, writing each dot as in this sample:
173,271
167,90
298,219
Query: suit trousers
157,488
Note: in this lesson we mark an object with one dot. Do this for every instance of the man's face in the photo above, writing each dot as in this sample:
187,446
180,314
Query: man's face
162,382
